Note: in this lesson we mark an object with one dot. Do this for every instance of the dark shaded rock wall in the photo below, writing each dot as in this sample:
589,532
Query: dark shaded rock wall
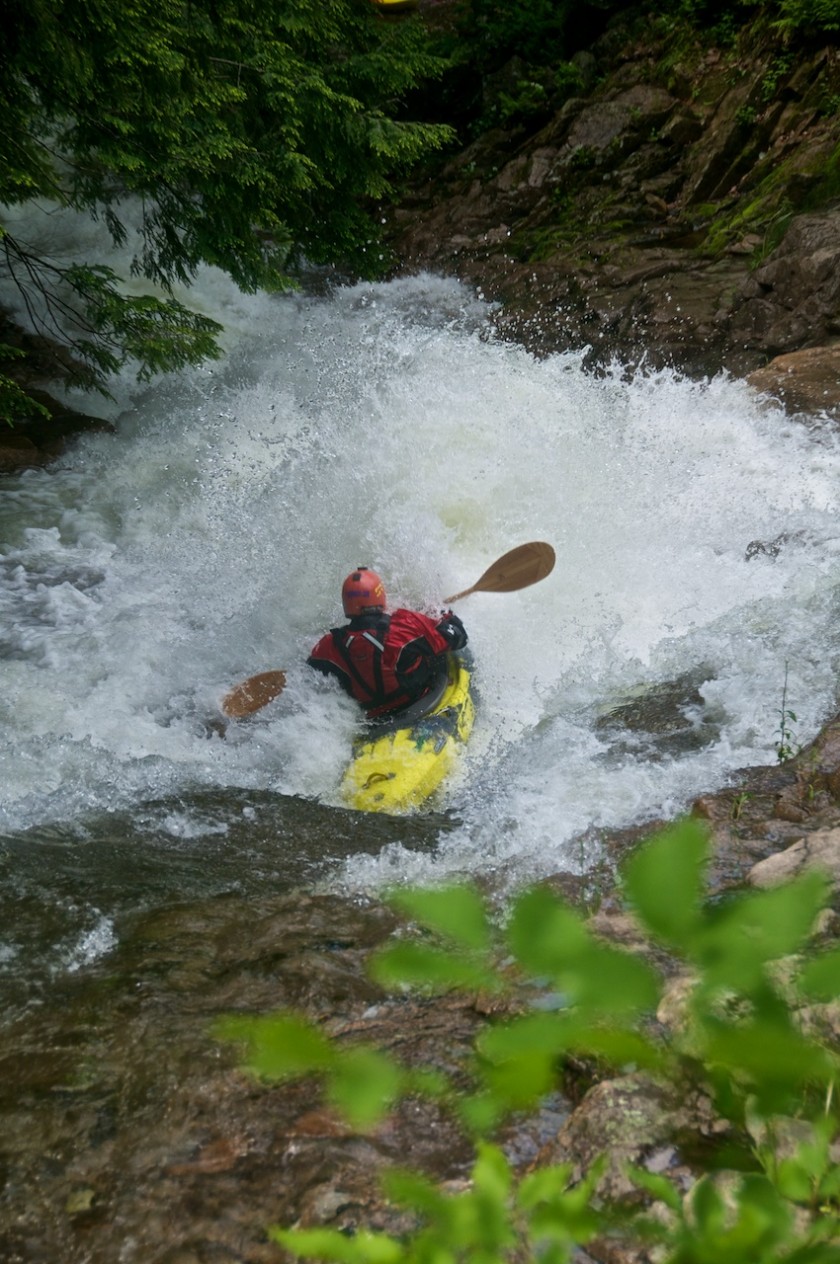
681,214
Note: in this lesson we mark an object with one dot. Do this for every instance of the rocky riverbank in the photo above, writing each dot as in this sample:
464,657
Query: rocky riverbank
682,209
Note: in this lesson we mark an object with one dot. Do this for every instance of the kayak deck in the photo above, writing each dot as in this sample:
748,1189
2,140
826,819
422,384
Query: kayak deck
398,766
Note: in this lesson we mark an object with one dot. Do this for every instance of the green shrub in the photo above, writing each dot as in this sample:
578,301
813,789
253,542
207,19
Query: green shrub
740,1043
810,17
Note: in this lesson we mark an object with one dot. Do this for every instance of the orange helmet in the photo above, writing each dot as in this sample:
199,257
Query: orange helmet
362,590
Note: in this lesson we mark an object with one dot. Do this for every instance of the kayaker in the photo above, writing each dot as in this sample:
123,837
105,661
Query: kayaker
385,661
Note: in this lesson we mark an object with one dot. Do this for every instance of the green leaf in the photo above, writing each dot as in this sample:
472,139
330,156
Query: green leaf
414,1191
745,933
752,1223
808,1174
544,1185
329,1244
15,403
491,1228
279,1047
820,977
363,1085
424,966
708,1207
457,912
518,1062
475,1222
531,1034
491,1172
613,983
427,1082
664,882
829,1186
620,1046
763,1218
481,1112
544,934
816,1253
776,1060
793,1182
552,942
562,1212
519,1083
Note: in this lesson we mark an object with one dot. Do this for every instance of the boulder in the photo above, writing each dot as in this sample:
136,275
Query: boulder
818,850
806,381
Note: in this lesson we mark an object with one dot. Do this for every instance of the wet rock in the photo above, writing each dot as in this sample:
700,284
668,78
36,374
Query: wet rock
665,719
673,1009
772,548
129,1115
619,928
605,131
35,442
818,850
800,284
631,222
630,1119
17,452
804,381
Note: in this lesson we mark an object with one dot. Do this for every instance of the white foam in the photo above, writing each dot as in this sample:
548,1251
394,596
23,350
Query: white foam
95,942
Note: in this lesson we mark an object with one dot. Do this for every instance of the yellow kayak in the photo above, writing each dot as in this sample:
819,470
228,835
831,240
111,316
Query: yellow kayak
399,765
395,6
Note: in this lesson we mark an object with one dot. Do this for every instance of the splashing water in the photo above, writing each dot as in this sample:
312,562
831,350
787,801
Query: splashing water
383,425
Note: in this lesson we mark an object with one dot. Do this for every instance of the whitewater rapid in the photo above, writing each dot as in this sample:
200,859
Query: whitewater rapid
207,537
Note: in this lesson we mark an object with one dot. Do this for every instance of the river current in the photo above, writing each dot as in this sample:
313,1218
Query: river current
383,424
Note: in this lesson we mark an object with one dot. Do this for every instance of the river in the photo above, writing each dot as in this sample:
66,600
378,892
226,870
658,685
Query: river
383,424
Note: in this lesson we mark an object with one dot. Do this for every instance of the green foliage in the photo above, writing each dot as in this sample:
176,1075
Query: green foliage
161,334
777,71
808,17
827,185
15,403
786,745
820,975
532,29
722,20
244,136
457,913
547,1213
665,881
739,1041
529,97
360,1082
281,1046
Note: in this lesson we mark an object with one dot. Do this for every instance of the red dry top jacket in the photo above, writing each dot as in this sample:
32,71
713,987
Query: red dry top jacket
386,661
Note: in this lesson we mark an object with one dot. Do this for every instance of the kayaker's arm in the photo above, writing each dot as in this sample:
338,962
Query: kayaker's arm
328,667
453,630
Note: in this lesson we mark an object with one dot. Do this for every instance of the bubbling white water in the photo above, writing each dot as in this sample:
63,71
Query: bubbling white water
206,540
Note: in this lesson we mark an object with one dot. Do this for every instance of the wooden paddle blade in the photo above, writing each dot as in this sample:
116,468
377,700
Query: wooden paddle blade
525,565
253,693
